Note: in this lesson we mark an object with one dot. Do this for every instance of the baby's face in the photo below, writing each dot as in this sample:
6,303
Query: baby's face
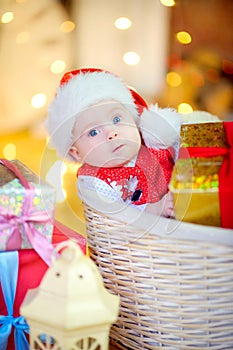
105,135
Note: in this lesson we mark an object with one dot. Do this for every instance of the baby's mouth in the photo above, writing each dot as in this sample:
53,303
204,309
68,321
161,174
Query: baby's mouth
118,148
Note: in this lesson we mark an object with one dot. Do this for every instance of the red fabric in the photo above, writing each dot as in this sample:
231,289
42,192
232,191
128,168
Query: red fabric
32,268
226,180
193,152
153,170
225,173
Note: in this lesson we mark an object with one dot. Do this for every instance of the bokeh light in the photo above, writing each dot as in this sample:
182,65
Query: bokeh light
9,151
38,100
185,108
58,66
7,17
173,79
184,37
197,79
212,75
67,26
22,37
227,66
123,23
168,3
131,58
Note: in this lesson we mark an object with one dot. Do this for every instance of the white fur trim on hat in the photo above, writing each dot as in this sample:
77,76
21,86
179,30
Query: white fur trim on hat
80,92
160,127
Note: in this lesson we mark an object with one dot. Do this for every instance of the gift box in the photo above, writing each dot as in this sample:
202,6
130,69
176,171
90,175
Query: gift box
202,178
26,208
19,271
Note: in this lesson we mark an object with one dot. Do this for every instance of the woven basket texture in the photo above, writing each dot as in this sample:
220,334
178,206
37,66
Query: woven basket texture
175,294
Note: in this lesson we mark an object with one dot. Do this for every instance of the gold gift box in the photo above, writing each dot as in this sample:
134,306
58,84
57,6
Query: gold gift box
195,181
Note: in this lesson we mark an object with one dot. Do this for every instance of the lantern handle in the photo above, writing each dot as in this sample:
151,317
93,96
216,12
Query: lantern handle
72,250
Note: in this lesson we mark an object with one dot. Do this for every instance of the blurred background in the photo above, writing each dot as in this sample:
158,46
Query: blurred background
174,52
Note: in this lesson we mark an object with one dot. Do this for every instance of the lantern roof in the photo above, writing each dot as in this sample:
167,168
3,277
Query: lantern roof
71,294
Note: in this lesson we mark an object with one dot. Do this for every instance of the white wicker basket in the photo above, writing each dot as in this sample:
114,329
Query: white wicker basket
176,293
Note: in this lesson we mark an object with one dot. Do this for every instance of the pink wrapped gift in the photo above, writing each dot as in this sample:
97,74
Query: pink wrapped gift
26,209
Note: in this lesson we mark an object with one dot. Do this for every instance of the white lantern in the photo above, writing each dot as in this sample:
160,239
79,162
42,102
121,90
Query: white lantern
71,309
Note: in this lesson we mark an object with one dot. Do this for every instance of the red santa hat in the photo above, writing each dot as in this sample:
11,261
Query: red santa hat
82,88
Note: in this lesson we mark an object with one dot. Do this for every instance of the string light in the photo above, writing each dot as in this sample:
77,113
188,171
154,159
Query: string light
123,23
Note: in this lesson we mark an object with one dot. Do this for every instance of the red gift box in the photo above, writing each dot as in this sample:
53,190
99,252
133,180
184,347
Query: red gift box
31,269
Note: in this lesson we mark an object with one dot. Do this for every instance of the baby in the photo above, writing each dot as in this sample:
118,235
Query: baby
126,149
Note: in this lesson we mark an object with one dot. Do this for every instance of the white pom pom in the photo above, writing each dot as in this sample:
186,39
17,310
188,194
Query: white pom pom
160,127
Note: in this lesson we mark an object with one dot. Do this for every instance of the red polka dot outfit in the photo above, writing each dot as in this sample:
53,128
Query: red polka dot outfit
152,172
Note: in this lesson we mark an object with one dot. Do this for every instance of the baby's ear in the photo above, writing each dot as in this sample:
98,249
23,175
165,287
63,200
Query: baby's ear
73,152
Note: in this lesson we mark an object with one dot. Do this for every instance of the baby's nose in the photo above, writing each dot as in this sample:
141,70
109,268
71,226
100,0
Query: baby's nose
112,135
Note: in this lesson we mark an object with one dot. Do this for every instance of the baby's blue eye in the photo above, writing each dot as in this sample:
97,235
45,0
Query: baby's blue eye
116,119
93,133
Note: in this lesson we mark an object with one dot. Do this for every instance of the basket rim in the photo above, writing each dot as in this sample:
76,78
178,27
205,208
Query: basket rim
160,226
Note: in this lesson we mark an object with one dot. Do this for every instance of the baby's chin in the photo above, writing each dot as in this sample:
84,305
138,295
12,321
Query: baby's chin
115,163
114,160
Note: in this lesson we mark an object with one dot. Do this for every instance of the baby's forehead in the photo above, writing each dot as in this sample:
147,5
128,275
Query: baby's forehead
108,106
99,113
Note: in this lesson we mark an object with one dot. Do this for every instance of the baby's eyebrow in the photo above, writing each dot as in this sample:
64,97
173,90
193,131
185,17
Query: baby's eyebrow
95,124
